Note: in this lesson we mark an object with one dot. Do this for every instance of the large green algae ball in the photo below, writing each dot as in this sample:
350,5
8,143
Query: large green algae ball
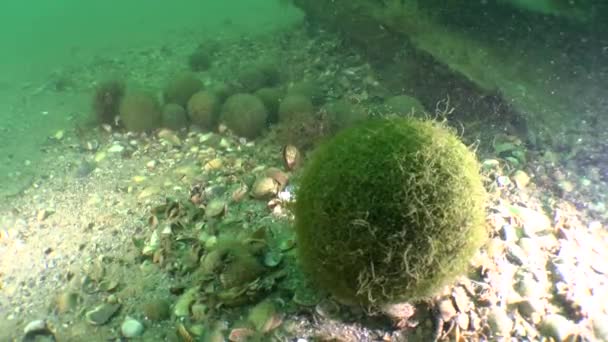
389,210
139,111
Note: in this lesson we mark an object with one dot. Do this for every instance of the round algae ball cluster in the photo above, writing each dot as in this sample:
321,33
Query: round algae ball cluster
389,210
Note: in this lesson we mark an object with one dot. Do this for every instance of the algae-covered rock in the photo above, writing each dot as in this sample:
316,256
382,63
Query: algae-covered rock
389,210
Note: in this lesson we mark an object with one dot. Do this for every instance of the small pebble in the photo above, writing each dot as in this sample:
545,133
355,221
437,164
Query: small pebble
508,233
264,188
33,326
131,328
446,310
600,327
521,179
215,208
44,214
527,286
499,322
516,255
557,327
503,181
566,186
272,258
102,313
531,309
116,148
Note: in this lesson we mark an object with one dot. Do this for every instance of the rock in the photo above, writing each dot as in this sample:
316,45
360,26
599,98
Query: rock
170,137
182,307
516,255
131,328
508,233
36,325
463,321
521,179
272,258
398,312
490,164
199,312
85,168
197,329
499,322
531,308
557,327
148,191
503,181
66,302
239,193
213,164
215,208
291,157
100,156
461,299
600,327
566,186
446,310
157,310
116,148
533,222
241,334
264,188
37,331
265,316
474,321
43,214
102,313
279,176
328,309
527,286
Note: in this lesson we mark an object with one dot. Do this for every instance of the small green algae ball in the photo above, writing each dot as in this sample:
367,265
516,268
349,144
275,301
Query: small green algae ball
181,87
295,107
203,108
174,117
389,210
343,114
157,310
309,88
139,112
272,97
256,76
245,115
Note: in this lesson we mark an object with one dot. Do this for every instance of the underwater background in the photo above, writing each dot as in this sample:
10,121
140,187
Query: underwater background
255,170
42,41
